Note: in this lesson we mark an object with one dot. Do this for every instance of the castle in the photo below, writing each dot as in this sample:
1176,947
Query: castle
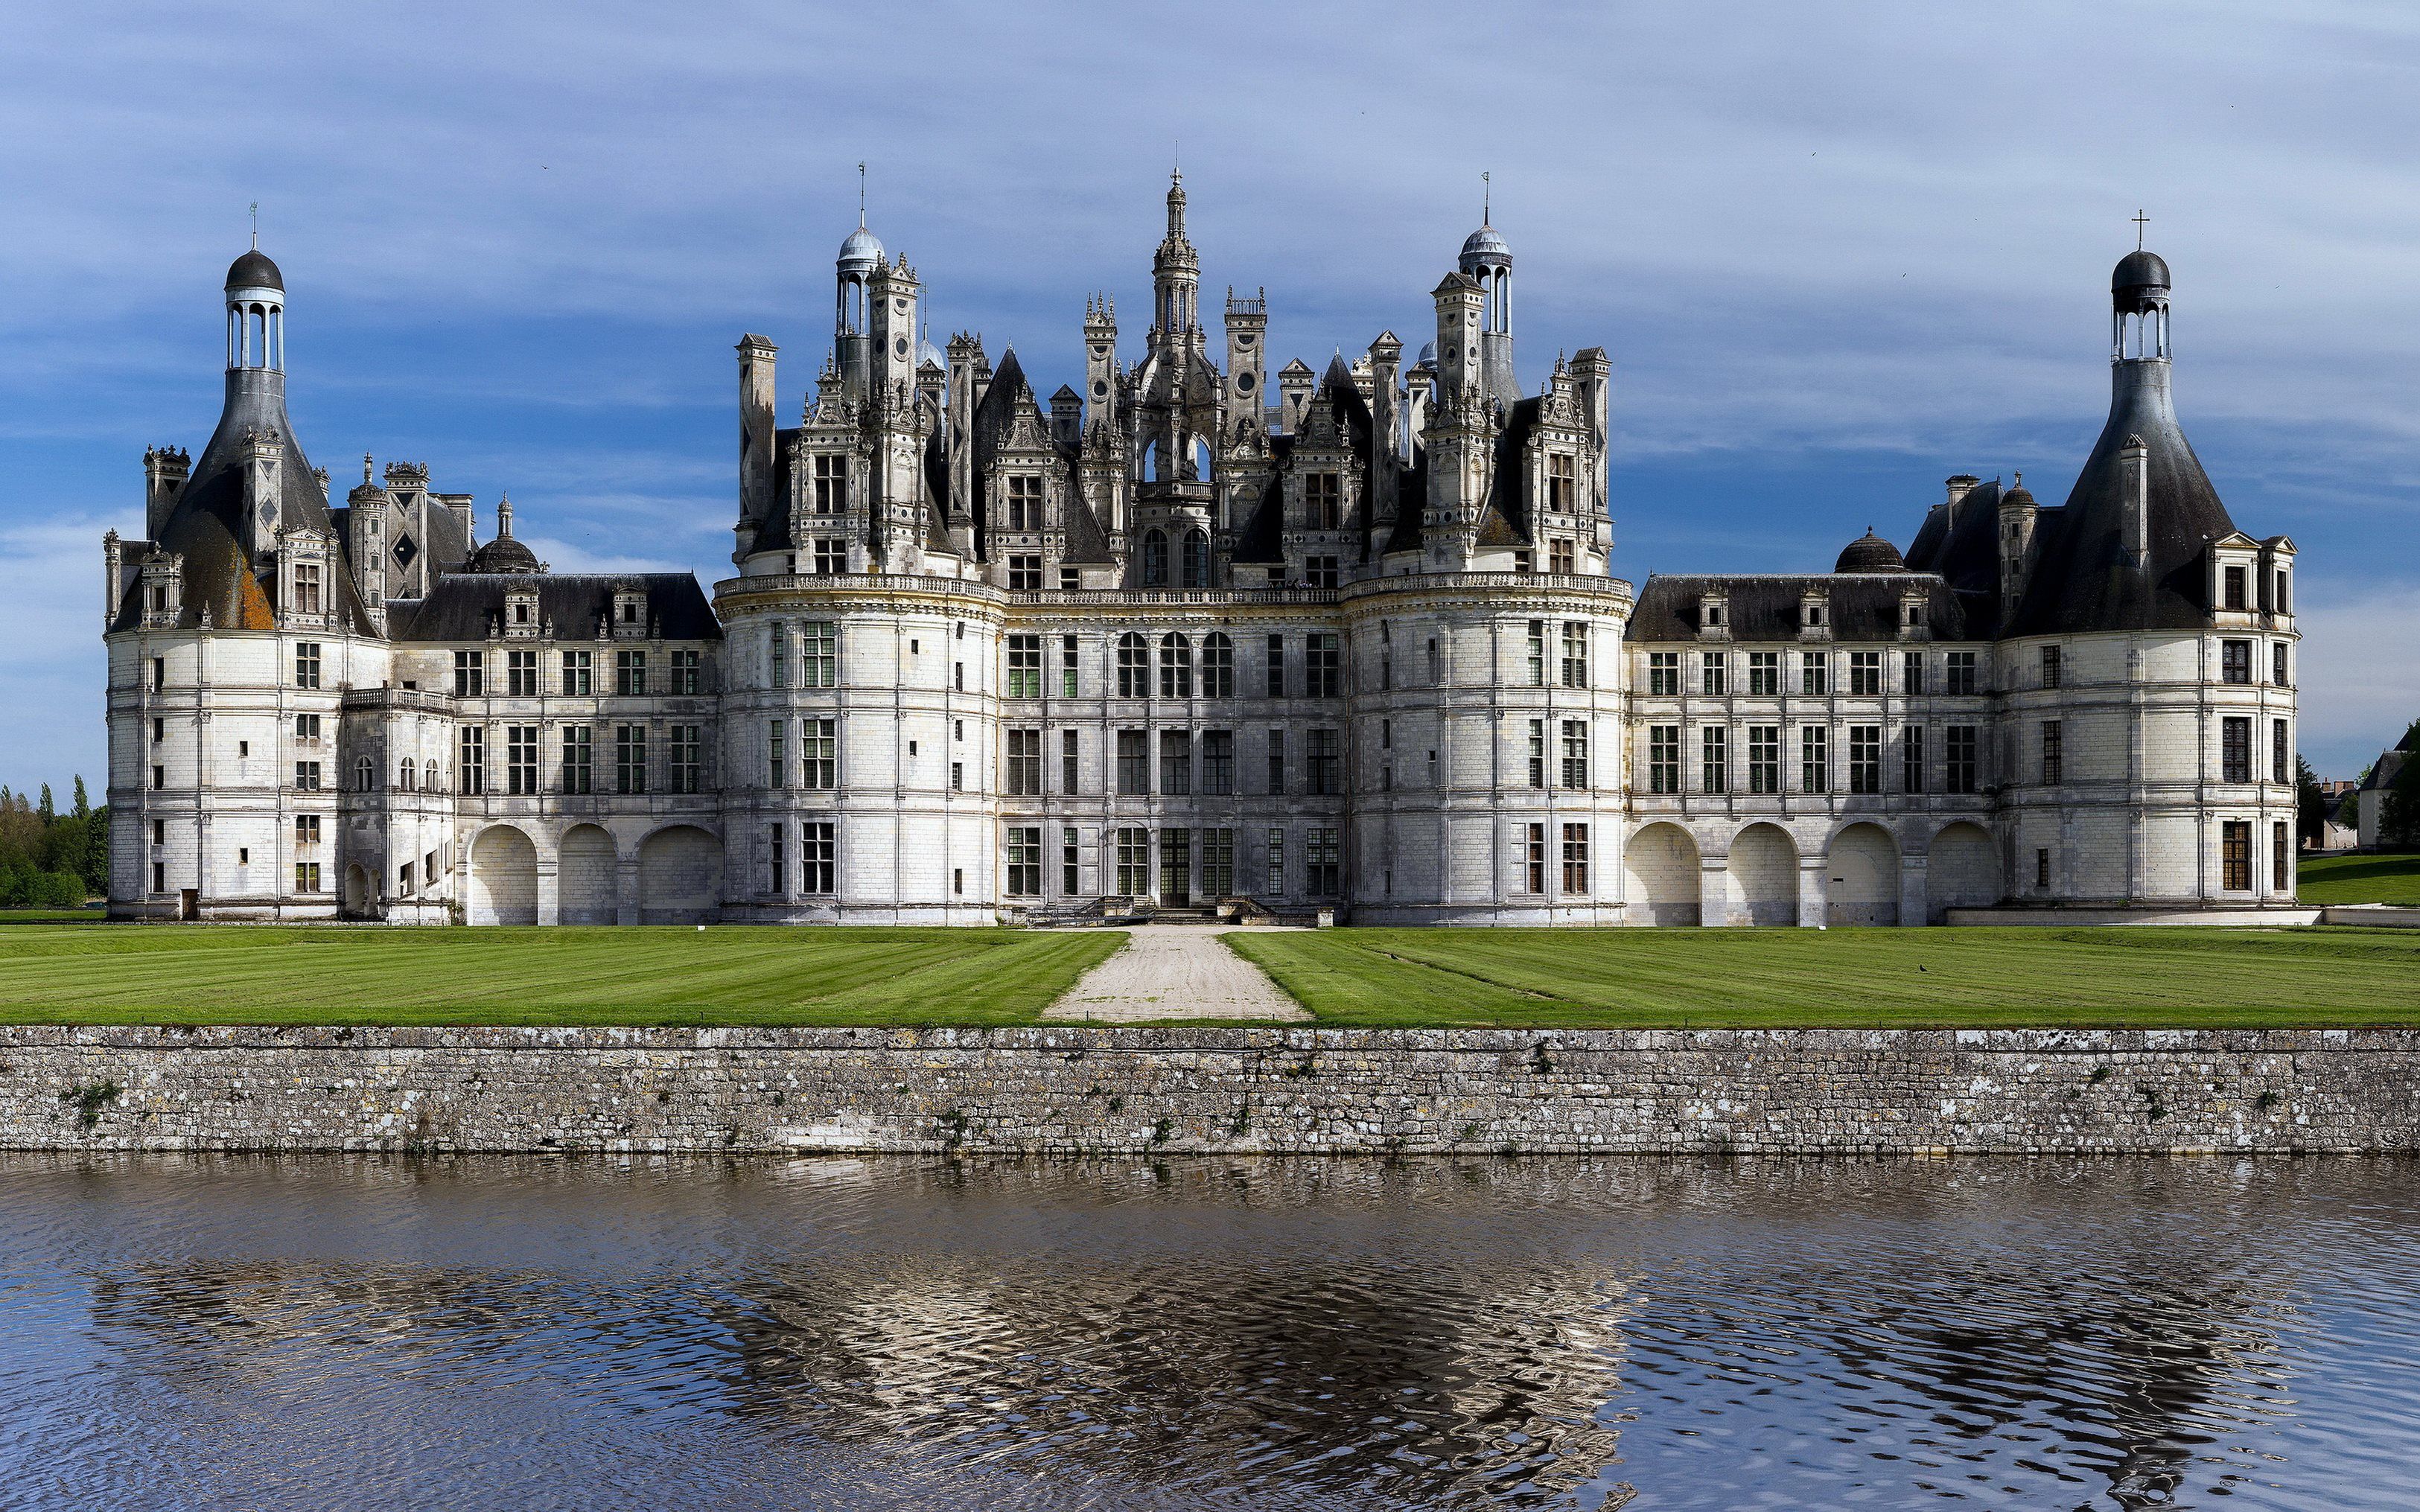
1177,641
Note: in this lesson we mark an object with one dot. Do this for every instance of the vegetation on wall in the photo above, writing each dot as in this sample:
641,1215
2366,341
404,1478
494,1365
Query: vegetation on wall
49,860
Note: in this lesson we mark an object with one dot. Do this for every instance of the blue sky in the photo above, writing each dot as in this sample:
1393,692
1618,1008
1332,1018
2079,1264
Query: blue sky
1837,252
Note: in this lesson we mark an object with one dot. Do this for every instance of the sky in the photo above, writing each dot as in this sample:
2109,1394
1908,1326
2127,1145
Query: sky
1838,253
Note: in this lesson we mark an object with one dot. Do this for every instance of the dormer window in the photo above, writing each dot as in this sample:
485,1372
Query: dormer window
1714,616
1024,496
1814,616
307,588
2234,593
521,613
1562,482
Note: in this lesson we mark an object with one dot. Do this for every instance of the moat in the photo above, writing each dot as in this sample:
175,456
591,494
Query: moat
324,1332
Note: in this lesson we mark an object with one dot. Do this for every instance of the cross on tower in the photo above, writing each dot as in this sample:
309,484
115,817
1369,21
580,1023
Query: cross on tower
2141,220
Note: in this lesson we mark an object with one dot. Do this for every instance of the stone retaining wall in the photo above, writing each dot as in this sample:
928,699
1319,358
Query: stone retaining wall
1067,1091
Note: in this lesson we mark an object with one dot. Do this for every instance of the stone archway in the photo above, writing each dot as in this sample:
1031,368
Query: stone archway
1763,877
584,876
1662,876
1861,878
680,876
360,896
503,877
1964,871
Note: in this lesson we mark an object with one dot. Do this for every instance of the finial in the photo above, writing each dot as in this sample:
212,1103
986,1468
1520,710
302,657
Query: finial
256,225
365,468
1486,198
504,518
2141,220
861,197
2021,479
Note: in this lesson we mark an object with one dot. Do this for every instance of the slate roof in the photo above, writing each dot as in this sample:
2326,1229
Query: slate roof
463,606
1862,605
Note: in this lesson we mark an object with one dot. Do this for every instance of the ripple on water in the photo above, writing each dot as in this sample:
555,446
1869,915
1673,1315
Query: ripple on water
1282,1333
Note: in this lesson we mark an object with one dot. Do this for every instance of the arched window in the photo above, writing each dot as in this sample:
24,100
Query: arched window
364,775
403,782
1154,559
1218,666
1196,559
431,772
1134,666
1175,666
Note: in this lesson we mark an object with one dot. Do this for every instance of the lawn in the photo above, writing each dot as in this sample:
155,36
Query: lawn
200,974
2360,879
2164,977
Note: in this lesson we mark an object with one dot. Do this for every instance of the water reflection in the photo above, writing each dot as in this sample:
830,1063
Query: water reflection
1275,1334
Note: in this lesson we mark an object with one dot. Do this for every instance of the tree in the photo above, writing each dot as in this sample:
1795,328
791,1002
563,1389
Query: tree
2310,806
83,804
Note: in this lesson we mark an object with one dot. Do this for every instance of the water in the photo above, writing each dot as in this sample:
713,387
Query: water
824,1334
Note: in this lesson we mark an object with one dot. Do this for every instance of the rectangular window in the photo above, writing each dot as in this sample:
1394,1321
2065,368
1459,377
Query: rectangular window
630,758
1959,769
1716,673
1134,766
2052,666
1067,667
2235,855
630,673
1764,758
776,852
1534,860
688,671
470,674
1024,861
2235,661
1175,666
306,775
2234,589
819,653
520,760
1764,674
1911,759
2054,753
1323,871
1537,753
958,777
2277,605
474,760
578,674
306,729
777,757
818,855
1323,755
1559,556
1323,666
1320,572
1024,502
831,556
1436,663
1714,744
1025,573
1958,672
688,768
2281,851
1277,878
1070,768
2277,664
1575,648
1576,860
306,876
1025,764
1864,673
1276,744
1662,758
1277,667
1218,667
2281,755
1575,753
1813,668
160,671
1537,652
578,759
1664,673
1912,673
1134,668
819,755
1134,863
2235,750
1219,863
307,588
831,485
1218,763
2042,868
520,674
1071,862
1176,763
1814,758
1562,483
306,830
1322,496
1024,667
1864,758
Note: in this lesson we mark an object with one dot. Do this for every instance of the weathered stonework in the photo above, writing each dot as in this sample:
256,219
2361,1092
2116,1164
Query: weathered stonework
1072,1092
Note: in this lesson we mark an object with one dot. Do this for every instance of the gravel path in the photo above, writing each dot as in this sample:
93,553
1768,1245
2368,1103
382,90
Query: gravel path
1175,971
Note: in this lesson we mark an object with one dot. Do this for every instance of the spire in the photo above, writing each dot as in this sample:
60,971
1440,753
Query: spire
861,197
1175,207
1486,200
256,225
504,518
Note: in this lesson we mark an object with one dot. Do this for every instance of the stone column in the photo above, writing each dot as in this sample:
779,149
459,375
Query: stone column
1811,871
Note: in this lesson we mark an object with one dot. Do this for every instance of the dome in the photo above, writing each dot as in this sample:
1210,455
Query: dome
928,353
2139,270
1485,241
255,271
861,250
1870,553
1428,355
502,554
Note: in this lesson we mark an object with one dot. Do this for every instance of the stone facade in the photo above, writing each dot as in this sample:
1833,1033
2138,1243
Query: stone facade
1079,1092
1177,639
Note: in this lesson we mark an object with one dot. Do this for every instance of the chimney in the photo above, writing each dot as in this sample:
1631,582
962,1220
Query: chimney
755,428
2134,493
165,469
